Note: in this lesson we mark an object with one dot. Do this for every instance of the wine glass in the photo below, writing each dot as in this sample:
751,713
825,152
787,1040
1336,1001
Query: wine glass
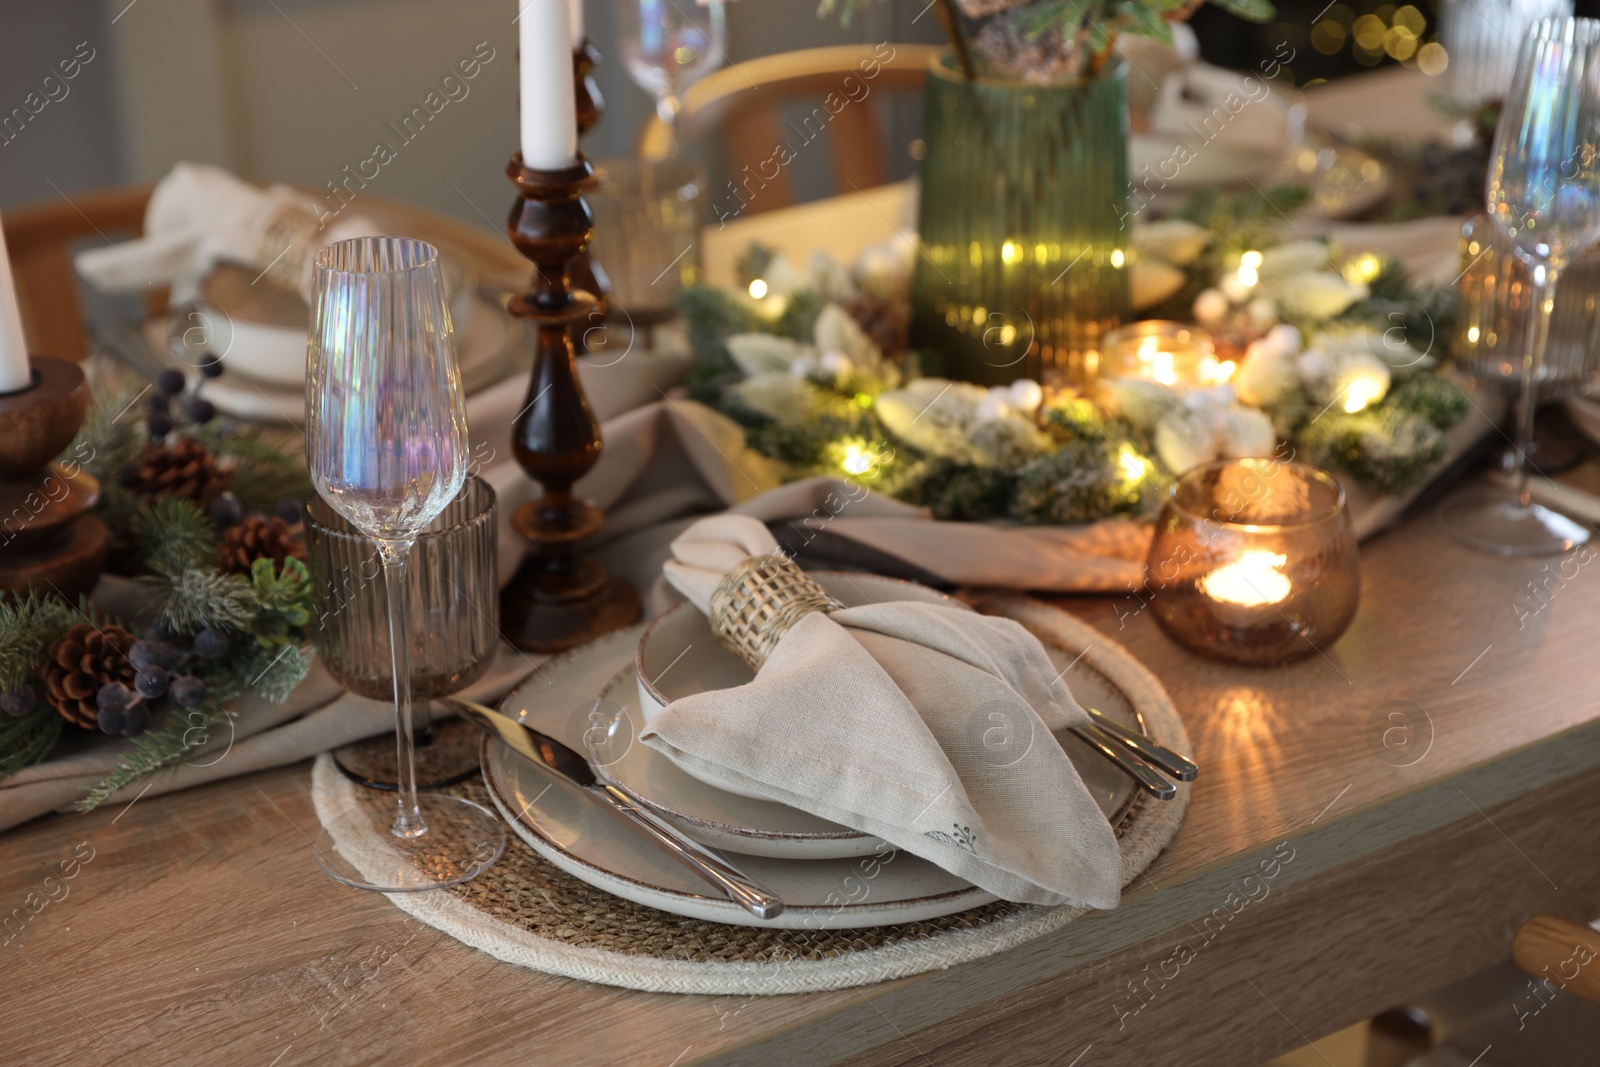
386,444
668,45
1543,194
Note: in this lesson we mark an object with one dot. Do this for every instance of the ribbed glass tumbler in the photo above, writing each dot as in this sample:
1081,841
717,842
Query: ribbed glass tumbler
455,627
1023,261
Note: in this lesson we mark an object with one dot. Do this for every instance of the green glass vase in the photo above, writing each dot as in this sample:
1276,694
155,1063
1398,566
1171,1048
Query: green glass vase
1023,264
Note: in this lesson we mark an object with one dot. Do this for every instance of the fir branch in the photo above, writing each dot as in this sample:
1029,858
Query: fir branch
272,672
26,629
110,438
263,474
157,750
194,598
173,534
28,740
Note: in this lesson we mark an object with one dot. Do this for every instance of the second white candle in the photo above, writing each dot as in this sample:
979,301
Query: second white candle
549,102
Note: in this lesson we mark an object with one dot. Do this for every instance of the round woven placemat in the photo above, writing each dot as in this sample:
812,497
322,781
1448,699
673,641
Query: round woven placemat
524,910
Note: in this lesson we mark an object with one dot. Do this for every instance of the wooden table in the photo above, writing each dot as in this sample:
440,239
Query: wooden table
1371,823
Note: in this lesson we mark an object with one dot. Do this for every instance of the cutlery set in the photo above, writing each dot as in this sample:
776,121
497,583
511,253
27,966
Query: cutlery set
1142,759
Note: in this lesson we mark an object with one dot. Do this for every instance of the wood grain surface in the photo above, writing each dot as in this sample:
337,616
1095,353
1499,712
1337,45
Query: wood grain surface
1432,775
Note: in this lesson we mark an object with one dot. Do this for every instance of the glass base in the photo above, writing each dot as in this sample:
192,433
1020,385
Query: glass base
462,841
1494,520
449,756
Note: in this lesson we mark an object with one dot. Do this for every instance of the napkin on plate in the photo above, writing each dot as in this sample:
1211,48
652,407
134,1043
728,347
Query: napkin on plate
200,215
925,725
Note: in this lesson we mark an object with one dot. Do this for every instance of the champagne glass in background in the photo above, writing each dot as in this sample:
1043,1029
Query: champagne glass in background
647,229
668,45
1543,194
1481,38
386,444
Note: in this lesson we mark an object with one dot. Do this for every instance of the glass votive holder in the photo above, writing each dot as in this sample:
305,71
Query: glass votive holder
1161,351
1254,561
455,627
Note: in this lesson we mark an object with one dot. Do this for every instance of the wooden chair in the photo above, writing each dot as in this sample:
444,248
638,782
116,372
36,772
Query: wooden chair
40,239
742,102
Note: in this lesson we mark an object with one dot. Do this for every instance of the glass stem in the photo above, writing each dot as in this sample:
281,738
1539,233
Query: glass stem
667,108
1544,300
409,822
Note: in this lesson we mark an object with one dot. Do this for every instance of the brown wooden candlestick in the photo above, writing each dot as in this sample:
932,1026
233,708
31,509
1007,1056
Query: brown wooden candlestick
587,274
557,599
49,543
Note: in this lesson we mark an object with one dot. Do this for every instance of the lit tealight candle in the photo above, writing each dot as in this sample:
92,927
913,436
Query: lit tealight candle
1251,581
1167,353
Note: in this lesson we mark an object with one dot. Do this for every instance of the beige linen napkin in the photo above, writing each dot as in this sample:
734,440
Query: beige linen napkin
200,215
922,724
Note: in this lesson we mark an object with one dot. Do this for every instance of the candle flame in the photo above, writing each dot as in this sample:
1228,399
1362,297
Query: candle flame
1159,364
758,288
1253,580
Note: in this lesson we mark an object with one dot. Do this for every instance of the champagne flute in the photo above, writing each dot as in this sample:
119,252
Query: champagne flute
1543,194
668,45
386,444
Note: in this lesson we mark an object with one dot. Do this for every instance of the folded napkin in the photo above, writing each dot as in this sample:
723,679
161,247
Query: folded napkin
928,726
200,215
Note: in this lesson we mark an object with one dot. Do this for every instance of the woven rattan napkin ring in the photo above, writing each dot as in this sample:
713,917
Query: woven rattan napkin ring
758,601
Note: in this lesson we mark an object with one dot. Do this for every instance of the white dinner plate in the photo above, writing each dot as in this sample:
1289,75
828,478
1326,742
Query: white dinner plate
483,348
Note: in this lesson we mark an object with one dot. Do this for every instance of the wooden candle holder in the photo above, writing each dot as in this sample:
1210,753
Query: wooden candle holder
557,599
587,274
49,543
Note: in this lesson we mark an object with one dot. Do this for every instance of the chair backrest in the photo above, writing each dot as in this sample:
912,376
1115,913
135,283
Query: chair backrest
40,237
742,102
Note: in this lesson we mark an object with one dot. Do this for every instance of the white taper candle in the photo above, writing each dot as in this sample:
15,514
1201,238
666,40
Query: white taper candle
576,24
549,102
14,371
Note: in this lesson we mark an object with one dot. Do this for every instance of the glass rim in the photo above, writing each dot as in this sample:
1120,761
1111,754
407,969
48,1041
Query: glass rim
1315,474
943,65
467,525
1562,28
325,256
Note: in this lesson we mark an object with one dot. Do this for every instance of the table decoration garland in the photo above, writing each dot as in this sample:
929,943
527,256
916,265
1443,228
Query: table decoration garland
203,519
1322,354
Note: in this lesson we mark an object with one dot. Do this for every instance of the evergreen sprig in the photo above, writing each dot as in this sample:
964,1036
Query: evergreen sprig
263,474
173,534
190,599
27,627
162,749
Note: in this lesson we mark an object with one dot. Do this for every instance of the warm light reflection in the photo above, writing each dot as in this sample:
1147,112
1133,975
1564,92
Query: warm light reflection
1252,581
1361,392
1249,269
758,288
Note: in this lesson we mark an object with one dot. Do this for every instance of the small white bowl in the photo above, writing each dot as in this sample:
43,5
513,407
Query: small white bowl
678,655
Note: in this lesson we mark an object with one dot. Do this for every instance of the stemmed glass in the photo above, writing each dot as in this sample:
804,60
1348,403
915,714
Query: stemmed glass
1543,194
386,443
668,45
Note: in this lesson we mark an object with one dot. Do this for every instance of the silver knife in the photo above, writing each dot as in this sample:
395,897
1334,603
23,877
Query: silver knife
550,754
1180,767
1143,775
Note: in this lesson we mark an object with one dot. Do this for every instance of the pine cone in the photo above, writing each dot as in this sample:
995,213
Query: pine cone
81,661
184,469
883,321
257,538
